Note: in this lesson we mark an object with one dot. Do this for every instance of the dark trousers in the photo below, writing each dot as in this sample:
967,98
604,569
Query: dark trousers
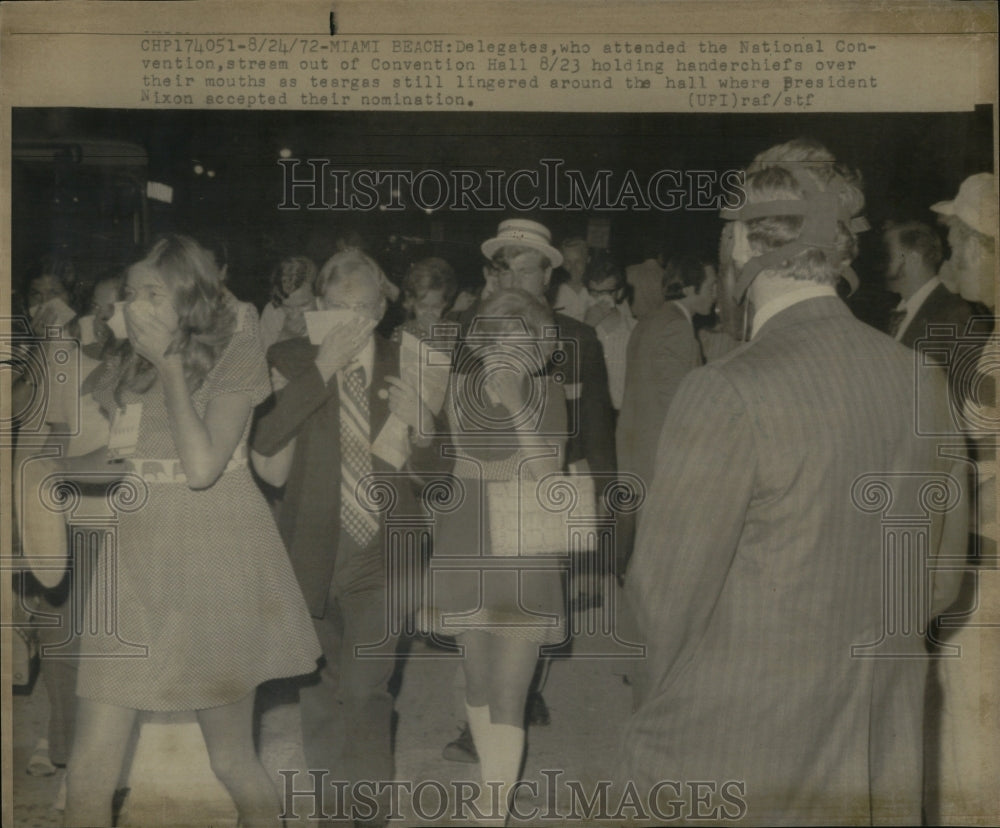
347,709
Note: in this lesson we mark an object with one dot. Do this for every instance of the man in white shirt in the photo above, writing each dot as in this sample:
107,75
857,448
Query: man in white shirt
572,297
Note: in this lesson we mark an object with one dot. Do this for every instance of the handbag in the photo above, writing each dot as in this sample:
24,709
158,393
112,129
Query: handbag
554,515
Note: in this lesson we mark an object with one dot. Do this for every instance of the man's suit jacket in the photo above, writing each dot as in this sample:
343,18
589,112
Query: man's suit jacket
941,307
759,564
944,308
308,410
662,350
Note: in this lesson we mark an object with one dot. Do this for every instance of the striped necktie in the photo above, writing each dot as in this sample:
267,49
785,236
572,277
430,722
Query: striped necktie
355,457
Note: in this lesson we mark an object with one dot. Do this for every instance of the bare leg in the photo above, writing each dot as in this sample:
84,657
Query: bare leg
95,763
228,732
511,668
498,672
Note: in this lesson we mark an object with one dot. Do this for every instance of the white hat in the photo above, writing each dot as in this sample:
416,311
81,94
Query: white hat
975,204
523,233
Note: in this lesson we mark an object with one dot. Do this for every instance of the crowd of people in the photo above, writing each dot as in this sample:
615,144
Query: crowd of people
747,409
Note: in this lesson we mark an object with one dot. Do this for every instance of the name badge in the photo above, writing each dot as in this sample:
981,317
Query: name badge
125,431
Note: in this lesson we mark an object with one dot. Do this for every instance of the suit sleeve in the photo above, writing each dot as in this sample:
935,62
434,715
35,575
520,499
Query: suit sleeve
282,415
596,423
691,523
671,358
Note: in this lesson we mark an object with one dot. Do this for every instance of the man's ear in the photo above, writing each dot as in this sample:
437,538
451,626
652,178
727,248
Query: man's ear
547,278
741,244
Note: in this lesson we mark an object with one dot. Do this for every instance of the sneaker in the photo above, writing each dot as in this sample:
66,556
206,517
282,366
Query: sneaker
39,764
537,712
463,749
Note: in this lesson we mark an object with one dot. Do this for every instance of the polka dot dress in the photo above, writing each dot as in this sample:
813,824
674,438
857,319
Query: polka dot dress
198,603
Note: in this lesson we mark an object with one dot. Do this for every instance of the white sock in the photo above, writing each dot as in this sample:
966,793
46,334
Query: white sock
478,719
500,761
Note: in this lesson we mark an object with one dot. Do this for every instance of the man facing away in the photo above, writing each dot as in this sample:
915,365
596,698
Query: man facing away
759,572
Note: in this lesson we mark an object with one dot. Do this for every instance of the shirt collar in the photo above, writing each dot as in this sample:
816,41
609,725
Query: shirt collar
919,295
786,300
685,311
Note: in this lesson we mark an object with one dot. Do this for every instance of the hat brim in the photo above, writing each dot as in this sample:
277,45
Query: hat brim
945,208
491,246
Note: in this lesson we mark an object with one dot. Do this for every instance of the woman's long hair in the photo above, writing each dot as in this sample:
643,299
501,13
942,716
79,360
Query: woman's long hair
206,319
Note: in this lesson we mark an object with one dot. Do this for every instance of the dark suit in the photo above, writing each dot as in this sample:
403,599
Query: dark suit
347,709
941,307
942,318
759,565
662,350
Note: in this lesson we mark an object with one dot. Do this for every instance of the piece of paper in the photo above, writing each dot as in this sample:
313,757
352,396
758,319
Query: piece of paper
428,375
392,443
124,436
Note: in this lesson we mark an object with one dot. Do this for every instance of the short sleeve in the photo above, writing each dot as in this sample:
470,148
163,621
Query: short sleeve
242,366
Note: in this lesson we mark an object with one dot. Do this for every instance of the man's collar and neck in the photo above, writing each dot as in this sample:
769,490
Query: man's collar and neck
770,295
919,296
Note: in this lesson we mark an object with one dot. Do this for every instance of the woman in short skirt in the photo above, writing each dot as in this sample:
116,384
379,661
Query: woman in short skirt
204,603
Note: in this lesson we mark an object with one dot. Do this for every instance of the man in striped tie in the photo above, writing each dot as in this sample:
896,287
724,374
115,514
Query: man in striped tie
315,438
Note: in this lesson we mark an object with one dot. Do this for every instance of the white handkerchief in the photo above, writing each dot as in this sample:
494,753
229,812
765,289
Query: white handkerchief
320,323
117,321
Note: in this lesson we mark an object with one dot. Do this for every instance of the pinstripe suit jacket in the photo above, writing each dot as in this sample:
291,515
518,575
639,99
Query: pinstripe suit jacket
755,572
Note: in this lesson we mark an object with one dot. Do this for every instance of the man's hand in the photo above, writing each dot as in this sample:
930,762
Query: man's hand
340,346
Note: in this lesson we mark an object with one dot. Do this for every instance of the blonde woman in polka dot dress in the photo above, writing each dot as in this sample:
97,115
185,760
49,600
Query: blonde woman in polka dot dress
202,587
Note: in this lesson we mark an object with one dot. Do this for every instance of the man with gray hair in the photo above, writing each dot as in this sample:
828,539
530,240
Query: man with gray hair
314,438
759,575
